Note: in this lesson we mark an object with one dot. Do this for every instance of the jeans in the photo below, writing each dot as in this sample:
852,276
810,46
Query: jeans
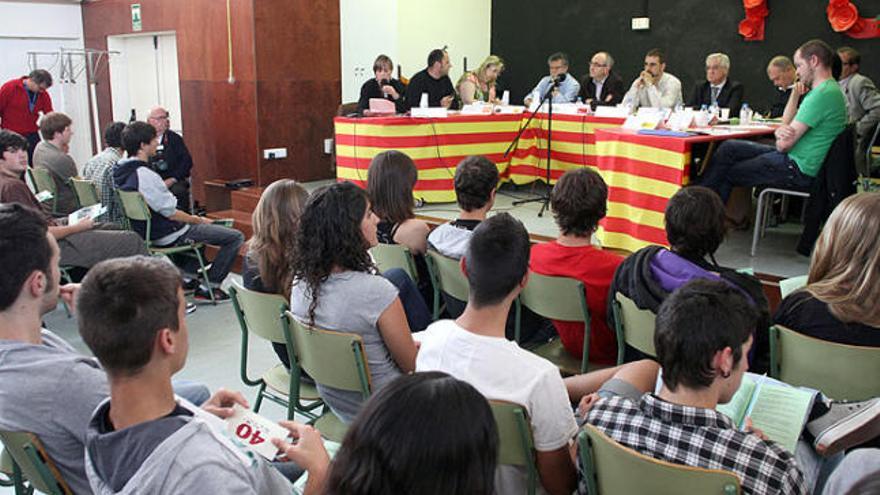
228,240
417,314
745,163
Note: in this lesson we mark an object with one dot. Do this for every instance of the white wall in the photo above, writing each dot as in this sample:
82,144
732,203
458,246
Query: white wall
406,31
45,27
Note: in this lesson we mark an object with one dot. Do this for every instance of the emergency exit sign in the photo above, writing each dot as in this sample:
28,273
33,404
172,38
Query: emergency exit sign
136,24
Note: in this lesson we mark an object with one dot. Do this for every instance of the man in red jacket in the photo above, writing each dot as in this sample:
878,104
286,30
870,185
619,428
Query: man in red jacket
22,100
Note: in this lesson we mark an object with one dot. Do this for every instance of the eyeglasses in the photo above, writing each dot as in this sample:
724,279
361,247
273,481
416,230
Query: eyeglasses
594,64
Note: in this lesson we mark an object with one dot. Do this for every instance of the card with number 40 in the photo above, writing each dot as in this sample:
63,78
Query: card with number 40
255,431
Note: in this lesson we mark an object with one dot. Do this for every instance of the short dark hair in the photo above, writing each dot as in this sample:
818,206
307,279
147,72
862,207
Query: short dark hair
855,58
11,141
113,134
699,319
820,49
383,61
390,181
122,304
475,179
52,123
558,56
578,201
656,52
136,134
24,249
41,77
695,222
497,259
435,56
418,420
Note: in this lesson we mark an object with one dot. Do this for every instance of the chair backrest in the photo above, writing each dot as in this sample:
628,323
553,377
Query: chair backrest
515,443
611,468
843,372
388,256
133,205
634,326
334,359
259,313
447,271
556,298
29,455
86,192
43,180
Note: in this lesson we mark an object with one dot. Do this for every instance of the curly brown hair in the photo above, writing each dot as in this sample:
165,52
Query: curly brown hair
329,237
578,201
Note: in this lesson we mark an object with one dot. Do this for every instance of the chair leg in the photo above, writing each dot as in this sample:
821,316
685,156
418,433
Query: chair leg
759,221
204,273
259,400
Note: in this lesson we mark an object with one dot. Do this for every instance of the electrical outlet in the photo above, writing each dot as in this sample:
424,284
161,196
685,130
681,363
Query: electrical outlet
641,23
274,153
328,146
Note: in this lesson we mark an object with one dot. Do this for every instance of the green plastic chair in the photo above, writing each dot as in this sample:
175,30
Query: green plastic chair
135,209
86,192
846,372
613,469
446,276
43,182
6,469
557,298
633,326
388,256
260,315
31,467
515,443
333,359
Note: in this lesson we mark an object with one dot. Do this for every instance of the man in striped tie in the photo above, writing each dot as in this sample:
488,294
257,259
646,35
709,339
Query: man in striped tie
717,88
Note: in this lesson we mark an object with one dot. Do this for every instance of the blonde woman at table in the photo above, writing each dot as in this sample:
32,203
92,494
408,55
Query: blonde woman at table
479,85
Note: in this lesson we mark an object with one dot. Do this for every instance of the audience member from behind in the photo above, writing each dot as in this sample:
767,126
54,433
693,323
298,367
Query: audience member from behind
335,288
172,160
382,86
144,438
476,179
654,87
840,302
390,181
22,100
717,89
694,228
99,169
578,201
565,87
266,267
170,226
781,73
702,337
418,420
433,81
82,244
51,154
473,348
479,85
602,86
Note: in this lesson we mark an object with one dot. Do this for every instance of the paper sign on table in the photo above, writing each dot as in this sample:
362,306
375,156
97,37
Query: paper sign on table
255,431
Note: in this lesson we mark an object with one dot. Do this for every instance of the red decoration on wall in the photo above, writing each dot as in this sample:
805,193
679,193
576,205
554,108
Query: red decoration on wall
844,18
752,27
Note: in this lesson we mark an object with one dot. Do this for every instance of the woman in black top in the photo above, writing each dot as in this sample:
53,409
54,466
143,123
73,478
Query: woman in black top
841,302
382,86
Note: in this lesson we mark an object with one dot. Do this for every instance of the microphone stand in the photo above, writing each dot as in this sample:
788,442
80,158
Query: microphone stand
543,198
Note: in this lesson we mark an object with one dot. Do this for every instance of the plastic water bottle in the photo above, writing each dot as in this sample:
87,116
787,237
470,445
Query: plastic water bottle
713,111
745,115
505,98
423,103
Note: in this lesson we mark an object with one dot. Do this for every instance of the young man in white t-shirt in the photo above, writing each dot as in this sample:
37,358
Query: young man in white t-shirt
473,348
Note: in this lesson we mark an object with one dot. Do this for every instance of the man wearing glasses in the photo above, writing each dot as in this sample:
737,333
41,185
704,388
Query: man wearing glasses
717,89
654,87
602,86
172,160
22,100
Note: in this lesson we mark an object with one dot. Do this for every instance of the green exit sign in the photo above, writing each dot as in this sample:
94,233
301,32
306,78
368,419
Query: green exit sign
136,20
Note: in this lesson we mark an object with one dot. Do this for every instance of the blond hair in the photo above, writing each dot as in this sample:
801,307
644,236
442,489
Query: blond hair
845,269
490,60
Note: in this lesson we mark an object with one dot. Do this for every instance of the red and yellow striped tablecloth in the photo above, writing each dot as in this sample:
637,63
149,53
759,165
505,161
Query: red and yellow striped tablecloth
437,145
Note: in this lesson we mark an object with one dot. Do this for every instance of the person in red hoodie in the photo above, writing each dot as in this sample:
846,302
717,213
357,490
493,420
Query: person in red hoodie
22,100
578,202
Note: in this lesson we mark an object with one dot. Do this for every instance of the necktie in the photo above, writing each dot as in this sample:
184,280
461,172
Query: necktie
715,91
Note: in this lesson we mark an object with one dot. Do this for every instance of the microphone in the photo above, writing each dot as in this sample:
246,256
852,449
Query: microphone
384,82
559,77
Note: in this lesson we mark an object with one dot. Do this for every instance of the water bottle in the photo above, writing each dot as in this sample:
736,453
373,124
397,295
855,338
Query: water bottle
713,111
423,103
505,98
745,115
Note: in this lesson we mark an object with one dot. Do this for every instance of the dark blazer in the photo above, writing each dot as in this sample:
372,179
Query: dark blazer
178,161
731,96
612,88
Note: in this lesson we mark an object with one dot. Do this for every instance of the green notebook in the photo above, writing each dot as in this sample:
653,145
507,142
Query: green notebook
776,408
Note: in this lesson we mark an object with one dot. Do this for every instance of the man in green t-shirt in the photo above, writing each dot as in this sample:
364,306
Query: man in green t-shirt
803,139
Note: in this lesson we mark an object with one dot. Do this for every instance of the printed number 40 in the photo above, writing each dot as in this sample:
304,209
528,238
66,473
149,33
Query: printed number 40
244,431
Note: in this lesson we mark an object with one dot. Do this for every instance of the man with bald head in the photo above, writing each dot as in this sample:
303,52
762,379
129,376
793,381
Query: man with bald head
172,160
602,86
782,74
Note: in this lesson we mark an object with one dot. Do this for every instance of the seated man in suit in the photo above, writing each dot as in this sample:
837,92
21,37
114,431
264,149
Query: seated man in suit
862,98
567,89
602,86
717,89
781,72
654,87
172,161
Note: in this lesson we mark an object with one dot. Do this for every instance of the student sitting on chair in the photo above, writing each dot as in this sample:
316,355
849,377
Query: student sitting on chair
473,348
